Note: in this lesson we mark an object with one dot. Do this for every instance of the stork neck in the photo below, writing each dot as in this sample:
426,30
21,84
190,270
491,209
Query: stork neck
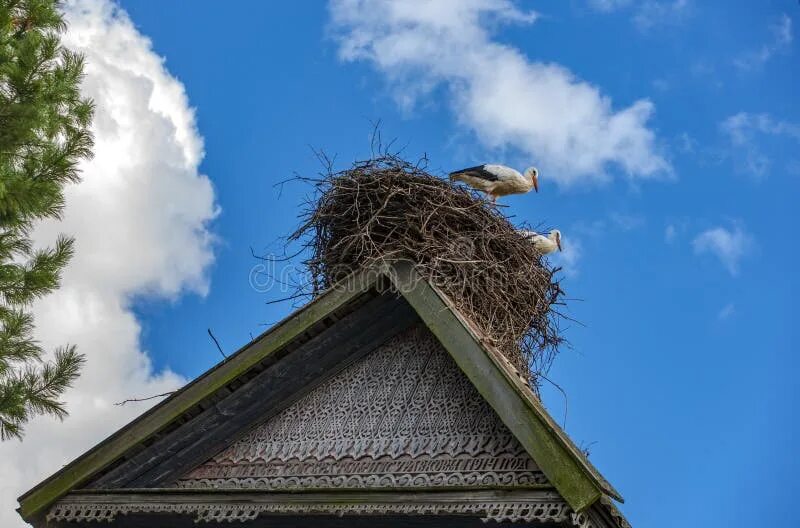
528,175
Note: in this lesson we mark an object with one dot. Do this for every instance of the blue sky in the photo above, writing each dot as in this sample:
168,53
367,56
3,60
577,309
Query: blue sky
682,383
674,185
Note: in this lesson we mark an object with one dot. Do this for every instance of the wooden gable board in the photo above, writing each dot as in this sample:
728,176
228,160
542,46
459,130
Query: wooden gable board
563,464
403,417
399,431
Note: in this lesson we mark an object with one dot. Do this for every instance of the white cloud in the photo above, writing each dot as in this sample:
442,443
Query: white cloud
686,143
728,245
676,228
742,126
662,85
608,5
539,110
743,130
782,37
726,312
627,222
652,13
670,232
140,217
615,220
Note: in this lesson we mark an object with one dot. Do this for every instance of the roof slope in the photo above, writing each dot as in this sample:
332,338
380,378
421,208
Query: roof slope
363,314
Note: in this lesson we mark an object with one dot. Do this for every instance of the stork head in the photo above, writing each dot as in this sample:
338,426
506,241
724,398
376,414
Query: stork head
533,175
555,234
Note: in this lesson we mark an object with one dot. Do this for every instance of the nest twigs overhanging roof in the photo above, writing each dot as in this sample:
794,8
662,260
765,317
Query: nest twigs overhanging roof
385,209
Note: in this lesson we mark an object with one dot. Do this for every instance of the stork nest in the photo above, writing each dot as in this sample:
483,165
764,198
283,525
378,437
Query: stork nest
386,209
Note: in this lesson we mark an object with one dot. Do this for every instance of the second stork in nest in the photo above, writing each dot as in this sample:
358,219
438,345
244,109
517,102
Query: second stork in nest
544,244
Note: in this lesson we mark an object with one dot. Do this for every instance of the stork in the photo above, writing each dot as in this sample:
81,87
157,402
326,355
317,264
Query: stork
498,180
544,244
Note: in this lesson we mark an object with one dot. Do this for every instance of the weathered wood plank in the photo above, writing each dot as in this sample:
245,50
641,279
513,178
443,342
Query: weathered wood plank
528,423
265,395
116,445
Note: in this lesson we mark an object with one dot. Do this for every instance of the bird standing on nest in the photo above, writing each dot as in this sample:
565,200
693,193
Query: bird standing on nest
544,244
498,180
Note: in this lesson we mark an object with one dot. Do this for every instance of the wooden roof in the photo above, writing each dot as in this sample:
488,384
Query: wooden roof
364,310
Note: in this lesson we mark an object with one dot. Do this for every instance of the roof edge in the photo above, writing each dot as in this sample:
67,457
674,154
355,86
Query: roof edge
567,469
156,418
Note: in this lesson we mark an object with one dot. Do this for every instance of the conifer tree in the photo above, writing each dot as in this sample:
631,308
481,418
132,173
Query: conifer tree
44,134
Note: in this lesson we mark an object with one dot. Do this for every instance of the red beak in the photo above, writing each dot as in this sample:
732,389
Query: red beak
536,184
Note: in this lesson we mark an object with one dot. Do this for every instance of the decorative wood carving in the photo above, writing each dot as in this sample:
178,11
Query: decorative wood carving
543,508
603,514
404,416
531,506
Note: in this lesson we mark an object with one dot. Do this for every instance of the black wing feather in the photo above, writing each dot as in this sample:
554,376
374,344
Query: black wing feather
477,172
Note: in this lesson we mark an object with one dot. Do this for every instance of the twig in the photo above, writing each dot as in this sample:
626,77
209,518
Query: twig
217,343
289,298
585,448
123,402
563,393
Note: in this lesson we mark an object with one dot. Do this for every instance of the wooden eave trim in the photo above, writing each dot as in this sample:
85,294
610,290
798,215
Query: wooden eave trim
106,452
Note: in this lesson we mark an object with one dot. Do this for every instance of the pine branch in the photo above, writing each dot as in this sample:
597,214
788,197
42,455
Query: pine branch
13,412
35,391
44,135
16,345
45,384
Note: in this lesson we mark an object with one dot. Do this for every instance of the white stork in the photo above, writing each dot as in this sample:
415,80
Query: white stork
544,244
498,180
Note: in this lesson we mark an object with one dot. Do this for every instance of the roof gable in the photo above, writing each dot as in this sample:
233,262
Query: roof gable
403,417
305,349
